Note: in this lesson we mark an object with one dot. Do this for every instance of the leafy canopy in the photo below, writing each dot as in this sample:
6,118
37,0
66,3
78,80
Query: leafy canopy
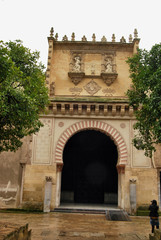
22,94
145,97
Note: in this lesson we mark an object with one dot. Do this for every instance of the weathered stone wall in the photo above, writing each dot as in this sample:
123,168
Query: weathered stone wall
11,170
146,180
92,57
34,183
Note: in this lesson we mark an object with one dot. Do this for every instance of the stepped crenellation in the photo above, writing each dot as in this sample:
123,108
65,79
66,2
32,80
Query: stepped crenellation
84,38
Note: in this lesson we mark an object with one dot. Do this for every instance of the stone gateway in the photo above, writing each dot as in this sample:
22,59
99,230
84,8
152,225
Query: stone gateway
83,154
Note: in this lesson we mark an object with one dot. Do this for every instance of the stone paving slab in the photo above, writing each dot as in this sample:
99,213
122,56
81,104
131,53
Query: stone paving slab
68,226
6,228
14,231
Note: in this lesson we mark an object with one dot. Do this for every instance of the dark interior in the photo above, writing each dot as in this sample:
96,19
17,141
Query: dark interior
89,173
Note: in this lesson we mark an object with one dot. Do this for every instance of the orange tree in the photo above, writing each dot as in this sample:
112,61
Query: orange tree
23,94
145,97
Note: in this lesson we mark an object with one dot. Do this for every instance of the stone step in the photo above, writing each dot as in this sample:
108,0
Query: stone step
77,210
117,215
111,215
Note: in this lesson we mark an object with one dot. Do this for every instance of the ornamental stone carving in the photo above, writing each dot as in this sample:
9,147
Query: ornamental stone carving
75,91
109,78
48,178
108,91
59,167
60,124
108,65
52,89
77,64
92,87
76,74
108,73
76,77
121,168
132,180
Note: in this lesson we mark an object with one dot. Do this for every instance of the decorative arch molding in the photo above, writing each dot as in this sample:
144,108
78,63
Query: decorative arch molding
93,125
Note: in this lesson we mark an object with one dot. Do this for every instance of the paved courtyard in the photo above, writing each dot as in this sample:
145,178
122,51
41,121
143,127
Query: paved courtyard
75,226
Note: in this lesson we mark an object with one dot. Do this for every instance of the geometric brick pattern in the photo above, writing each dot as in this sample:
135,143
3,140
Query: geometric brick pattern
95,125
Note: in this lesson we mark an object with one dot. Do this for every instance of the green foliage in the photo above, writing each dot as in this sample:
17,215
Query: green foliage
145,97
144,211
22,94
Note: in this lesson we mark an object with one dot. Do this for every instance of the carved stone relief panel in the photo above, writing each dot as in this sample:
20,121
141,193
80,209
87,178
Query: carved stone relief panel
92,87
108,72
92,64
76,62
108,63
108,91
52,89
88,64
76,72
75,91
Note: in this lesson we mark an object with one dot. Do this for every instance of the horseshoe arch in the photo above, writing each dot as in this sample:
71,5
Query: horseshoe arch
94,125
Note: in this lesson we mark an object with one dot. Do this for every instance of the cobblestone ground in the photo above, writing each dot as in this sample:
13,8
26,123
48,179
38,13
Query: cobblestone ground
65,226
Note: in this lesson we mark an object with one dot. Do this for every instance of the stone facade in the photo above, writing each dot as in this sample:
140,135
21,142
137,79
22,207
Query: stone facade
87,82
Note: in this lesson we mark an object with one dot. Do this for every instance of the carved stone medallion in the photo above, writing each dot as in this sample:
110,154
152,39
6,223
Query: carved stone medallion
60,124
123,125
92,87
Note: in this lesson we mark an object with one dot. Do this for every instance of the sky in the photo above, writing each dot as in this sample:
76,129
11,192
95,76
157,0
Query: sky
31,21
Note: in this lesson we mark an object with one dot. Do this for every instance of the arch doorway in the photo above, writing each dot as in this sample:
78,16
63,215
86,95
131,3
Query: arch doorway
89,173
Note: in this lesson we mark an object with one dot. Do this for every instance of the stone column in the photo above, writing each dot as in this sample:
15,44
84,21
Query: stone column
58,183
47,197
133,195
121,185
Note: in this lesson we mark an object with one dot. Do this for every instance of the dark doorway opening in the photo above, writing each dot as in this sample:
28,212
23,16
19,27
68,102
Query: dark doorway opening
89,173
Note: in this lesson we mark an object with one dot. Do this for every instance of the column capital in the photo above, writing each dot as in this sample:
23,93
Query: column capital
121,168
59,167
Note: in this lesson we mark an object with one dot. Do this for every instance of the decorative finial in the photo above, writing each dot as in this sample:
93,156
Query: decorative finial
130,38
56,37
84,39
65,38
135,33
94,37
113,37
104,39
122,40
73,36
51,32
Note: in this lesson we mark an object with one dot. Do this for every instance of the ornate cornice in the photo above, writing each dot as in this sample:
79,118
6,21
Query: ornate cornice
92,108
